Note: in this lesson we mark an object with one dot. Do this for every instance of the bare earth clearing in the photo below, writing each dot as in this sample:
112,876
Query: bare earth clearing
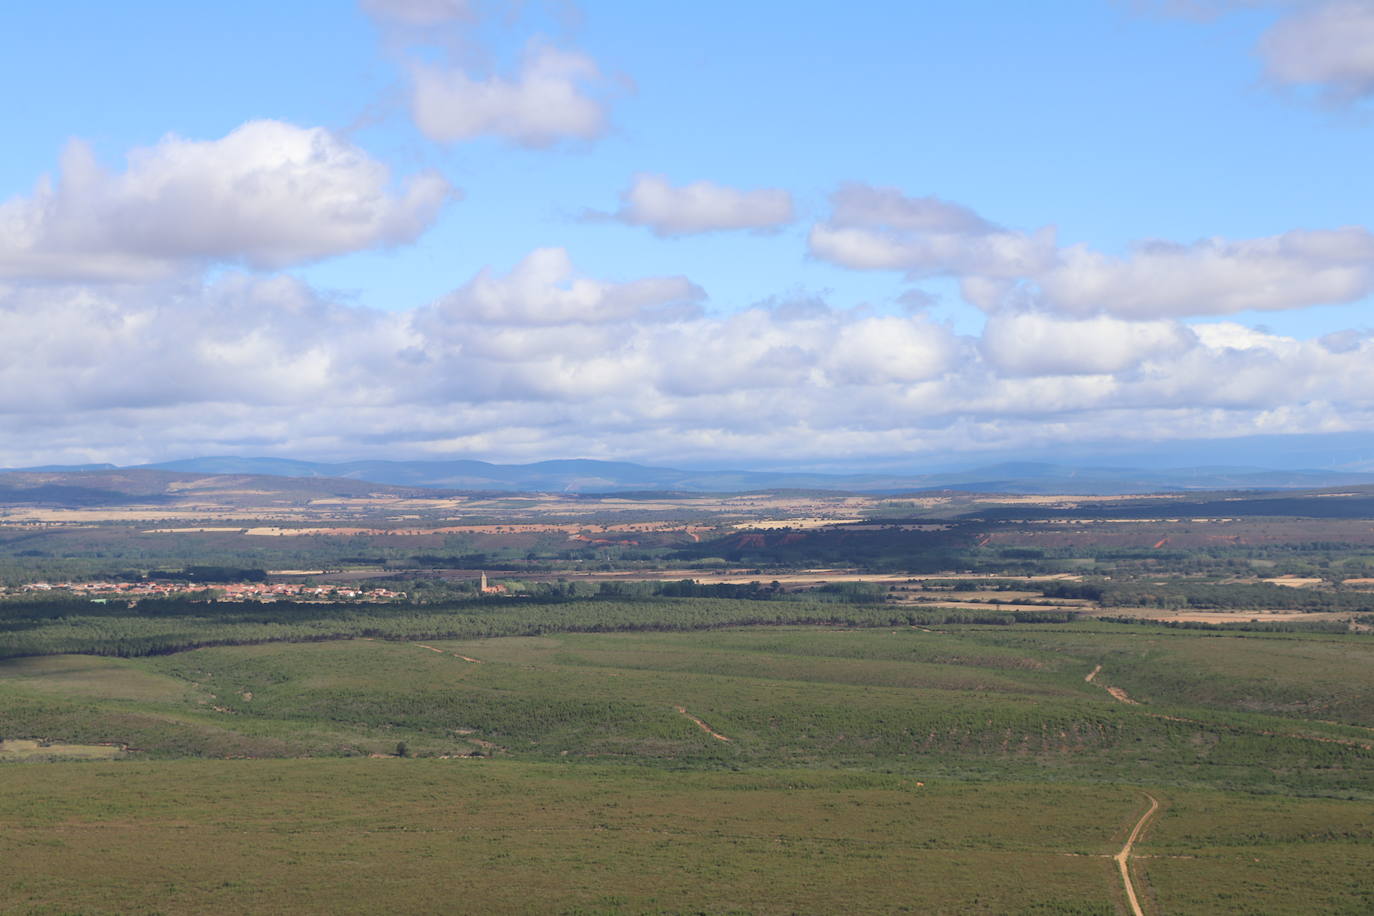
1294,581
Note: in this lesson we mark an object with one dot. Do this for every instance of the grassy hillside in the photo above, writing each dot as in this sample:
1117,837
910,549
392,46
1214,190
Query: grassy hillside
504,836
954,768
1010,702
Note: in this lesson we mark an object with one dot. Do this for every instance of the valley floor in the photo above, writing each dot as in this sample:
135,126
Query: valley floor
944,769
507,836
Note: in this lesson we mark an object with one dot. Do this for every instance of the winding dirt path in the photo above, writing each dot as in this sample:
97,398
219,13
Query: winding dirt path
475,661
1125,853
1117,693
702,725
1120,696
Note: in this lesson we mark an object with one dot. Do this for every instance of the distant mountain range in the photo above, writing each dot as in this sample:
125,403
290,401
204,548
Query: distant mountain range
591,476
96,485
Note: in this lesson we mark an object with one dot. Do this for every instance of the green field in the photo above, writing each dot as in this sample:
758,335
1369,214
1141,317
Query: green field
956,768
499,836
508,836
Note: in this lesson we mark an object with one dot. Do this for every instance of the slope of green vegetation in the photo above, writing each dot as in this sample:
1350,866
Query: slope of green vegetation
690,747
506,836
450,836
964,701
157,626
956,768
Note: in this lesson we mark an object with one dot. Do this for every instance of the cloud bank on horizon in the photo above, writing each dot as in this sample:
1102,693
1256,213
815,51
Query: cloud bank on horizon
267,287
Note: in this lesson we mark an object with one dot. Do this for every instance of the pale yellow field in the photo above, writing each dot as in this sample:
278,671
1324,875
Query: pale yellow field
26,749
1294,581
802,522
1146,613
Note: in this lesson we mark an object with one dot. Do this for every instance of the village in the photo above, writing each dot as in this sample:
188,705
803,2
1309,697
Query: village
223,591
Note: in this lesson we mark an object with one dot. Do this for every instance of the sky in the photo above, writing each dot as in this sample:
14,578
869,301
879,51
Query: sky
804,235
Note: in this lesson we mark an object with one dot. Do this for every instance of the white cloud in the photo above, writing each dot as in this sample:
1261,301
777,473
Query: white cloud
1216,276
881,229
887,350
701,206
551,99
1030,343
544,361
451,52
268,194
544,289
241,339
1323,44
861,205
1328,44
1227,335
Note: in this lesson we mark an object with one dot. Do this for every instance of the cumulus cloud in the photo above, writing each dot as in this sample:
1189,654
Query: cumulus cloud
1330,45
544,289
860,205
998,268
534,348
1327,45
241,339
1032,343
554,97
543,360
881,228
1216,276
458,90
701,206
267,195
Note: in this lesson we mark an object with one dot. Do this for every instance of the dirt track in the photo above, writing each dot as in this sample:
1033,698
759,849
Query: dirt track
1117,693
702,725
1125,853
1120,696
475,661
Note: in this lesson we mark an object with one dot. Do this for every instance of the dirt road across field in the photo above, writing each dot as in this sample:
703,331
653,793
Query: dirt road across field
1120,696
1125,853
1117,693
702,725
475,661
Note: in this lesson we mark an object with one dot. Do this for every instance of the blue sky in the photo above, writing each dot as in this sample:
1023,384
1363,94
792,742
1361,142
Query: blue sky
758,234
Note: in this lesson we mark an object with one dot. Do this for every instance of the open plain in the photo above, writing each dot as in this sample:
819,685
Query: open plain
987,707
